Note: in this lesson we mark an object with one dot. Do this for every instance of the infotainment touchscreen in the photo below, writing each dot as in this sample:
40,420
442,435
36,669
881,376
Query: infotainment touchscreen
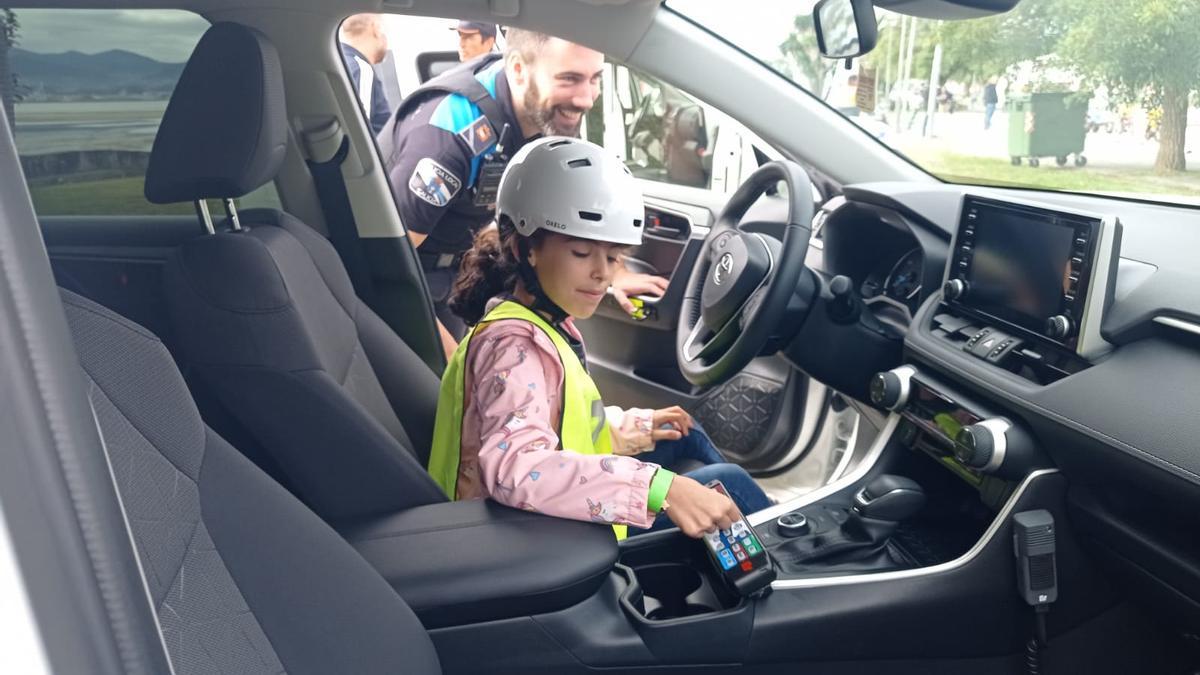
1021,264
1033,268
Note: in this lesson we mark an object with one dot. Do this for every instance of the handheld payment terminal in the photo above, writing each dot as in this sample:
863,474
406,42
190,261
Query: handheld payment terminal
739,555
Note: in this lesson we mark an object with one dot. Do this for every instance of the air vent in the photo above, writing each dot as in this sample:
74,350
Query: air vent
591,215
559,144
578,163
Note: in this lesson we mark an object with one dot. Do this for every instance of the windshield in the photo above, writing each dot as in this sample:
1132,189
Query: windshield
1068,95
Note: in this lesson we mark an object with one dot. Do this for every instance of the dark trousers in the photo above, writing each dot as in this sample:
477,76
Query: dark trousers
441,282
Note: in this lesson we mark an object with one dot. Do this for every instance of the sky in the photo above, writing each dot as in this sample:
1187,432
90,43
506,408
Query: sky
163,35
170,35
759,31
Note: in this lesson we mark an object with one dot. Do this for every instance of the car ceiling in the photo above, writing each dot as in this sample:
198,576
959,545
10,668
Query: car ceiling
615,26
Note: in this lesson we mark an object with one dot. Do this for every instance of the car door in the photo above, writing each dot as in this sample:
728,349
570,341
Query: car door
689,158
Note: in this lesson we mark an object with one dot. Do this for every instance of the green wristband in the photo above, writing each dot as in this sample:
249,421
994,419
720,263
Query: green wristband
658,489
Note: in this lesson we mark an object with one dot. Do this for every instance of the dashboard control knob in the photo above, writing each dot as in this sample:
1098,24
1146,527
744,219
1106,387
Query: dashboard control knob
954,289
793,524
890,389
983,445
1058,326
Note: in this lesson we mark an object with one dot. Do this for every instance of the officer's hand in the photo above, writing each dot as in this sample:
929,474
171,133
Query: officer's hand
627,283
696,509
675,418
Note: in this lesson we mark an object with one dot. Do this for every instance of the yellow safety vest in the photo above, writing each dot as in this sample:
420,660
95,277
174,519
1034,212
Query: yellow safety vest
584,427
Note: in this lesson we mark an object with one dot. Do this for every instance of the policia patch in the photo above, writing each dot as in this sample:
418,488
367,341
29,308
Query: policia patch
433,183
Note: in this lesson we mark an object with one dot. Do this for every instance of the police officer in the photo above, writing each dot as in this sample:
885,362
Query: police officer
447,144
475,38
364,44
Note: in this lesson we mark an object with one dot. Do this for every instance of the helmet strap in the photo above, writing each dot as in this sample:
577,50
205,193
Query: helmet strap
541,301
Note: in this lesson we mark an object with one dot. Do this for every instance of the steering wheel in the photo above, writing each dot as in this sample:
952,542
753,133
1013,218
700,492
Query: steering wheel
741,283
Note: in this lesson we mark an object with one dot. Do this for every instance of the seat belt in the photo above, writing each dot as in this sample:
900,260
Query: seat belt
335,206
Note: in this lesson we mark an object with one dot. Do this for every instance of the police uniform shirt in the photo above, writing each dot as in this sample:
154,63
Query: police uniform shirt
367,86
435,161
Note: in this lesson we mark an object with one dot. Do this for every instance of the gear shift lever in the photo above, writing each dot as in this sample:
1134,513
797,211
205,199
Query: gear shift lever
889,497
880,506
878,509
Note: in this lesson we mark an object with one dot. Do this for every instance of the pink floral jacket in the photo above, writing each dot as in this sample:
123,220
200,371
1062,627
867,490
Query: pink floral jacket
510,444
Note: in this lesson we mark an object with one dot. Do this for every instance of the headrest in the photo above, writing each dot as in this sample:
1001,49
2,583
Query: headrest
225,130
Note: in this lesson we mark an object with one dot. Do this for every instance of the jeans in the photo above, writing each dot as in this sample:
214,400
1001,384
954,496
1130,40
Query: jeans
989,109
696,445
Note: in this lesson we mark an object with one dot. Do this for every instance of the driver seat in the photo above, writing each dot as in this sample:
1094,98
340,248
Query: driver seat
267,319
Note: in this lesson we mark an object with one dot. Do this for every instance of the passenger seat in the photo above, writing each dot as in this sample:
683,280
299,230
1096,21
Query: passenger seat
242,577
266,317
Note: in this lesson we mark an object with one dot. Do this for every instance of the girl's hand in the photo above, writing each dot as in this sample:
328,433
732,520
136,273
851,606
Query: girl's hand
627,283
696,509
676,419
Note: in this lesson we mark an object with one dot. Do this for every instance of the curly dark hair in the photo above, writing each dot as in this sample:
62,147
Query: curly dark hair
488,269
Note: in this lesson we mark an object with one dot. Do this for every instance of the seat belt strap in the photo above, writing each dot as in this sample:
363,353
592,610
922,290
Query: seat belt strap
339,218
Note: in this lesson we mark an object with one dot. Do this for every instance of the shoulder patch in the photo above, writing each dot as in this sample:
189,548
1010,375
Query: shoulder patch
433,182
478,136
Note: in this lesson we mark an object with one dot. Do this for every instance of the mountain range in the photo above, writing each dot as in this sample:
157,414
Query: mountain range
115,73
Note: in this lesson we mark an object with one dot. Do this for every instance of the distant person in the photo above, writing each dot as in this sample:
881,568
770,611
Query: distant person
475,39
364,44
990,99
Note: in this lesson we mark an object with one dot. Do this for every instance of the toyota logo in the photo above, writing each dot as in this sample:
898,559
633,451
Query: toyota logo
723,269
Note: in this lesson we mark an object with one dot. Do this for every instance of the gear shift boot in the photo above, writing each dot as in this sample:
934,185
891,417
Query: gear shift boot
861,532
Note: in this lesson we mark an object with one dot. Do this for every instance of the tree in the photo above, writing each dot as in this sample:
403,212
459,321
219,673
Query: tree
8,79
1143,51
805,64
981,48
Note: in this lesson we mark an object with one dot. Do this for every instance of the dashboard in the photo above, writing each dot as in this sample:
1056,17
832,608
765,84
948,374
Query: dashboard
900,285
1104,374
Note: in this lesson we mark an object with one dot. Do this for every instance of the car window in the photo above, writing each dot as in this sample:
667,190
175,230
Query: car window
1052,95
666,134
662,133
85,104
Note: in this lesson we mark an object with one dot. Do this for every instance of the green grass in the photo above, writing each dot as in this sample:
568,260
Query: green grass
123,197
989,171
111,196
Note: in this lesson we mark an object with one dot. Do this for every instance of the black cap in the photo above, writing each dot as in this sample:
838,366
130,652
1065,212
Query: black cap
484,29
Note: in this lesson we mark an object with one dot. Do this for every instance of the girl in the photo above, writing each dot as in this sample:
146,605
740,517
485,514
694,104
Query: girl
519,418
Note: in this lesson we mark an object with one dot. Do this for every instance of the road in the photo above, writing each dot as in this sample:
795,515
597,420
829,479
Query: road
963,133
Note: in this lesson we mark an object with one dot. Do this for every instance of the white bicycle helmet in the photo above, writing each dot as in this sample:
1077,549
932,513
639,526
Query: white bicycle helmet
572,187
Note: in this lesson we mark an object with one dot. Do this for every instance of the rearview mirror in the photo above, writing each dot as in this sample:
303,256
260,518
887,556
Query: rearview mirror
845,28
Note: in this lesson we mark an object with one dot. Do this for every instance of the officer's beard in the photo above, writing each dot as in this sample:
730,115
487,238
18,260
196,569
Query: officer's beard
545,117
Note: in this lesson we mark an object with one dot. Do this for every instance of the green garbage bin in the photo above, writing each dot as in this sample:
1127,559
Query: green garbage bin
1047,125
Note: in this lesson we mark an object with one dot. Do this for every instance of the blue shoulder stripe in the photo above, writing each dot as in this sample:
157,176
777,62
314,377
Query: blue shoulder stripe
487,76
455,112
